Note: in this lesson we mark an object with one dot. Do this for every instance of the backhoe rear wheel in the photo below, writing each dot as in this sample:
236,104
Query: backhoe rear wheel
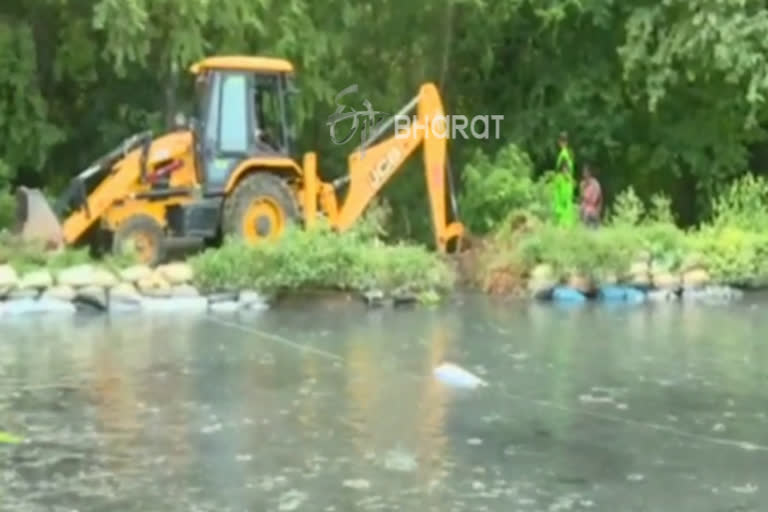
260,209
142,235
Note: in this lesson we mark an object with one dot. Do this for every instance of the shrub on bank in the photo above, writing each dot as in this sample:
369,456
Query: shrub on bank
730,248
733,244
494,188
321,259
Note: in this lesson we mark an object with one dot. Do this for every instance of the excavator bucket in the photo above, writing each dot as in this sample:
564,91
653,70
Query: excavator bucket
35,220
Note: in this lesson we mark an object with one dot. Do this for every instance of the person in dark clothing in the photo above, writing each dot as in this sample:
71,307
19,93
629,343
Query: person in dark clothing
591,198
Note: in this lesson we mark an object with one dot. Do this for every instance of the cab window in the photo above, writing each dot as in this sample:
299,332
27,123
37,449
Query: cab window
233,122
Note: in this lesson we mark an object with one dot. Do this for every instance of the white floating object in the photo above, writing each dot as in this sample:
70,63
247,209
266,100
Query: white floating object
457,377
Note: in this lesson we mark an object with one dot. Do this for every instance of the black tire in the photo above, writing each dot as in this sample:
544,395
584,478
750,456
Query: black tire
143,227
260,186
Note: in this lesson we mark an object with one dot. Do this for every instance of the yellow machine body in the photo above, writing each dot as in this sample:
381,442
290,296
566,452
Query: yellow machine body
233,175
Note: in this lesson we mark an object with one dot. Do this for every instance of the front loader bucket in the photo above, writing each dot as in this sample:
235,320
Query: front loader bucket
35,220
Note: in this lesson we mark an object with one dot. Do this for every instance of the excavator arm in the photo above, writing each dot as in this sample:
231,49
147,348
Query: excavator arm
373,164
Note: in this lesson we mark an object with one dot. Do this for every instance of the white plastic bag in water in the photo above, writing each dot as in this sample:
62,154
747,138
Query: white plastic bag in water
456,377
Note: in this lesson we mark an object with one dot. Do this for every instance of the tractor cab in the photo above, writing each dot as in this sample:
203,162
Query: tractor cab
245,109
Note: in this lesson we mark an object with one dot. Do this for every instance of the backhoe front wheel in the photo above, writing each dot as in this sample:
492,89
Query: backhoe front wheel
142,236
260,209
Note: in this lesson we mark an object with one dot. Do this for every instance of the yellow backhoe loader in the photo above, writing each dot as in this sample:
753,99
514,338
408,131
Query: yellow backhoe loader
232,172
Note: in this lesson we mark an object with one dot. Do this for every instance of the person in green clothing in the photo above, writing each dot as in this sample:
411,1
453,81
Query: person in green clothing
562,201
565,155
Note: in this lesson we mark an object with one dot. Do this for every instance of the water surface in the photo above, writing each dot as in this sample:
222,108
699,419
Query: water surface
330,407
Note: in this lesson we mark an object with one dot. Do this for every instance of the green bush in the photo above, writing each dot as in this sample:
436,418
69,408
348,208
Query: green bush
631,231
322,259
578,249
493,188
501,195
733,245
628,209
732,254
743,204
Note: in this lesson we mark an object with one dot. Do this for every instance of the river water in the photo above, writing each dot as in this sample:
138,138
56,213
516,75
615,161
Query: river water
330,407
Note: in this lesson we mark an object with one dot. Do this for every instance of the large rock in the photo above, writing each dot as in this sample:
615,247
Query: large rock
104,278
223,296
666,280
662,295
36,306
712,294
23,293
176,273
697,278
9,280
124,297
373,297
135,273
542,280
93,296
36,280
250,299
155,286
86,275
60,292
124,291
184,291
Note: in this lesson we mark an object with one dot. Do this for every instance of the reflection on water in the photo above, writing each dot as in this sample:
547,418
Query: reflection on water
590,409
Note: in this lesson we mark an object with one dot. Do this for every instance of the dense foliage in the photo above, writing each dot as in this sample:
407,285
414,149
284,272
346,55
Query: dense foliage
666,96
730,244
321,259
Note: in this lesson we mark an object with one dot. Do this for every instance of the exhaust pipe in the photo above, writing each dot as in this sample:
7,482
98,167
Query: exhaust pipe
35,220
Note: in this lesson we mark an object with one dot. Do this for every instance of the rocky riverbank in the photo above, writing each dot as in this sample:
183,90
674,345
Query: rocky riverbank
174,287
644,281
168,288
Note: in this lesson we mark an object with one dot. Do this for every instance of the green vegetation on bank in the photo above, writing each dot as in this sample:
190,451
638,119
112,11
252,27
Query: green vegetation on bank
731,245
321,259
357,260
